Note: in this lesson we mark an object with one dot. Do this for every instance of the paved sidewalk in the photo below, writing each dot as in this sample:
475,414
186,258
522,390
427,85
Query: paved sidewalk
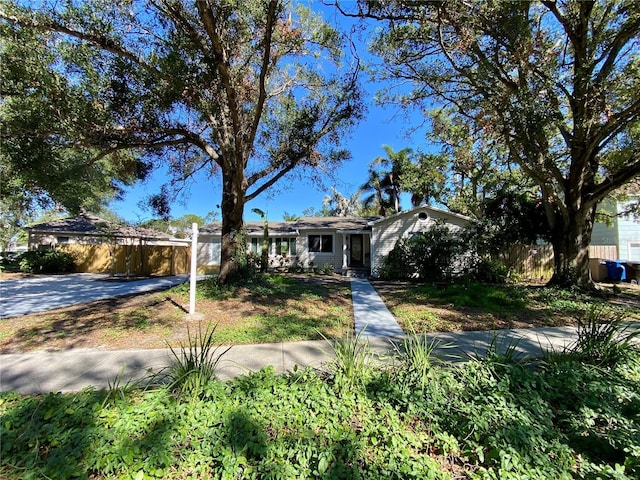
40,293
73,370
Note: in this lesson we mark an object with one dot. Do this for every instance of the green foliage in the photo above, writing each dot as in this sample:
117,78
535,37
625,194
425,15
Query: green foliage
121,81
503,77
352,360
46,261
490,271
194,365
479,419
434,255
509,217
45,112
416,352
605,338
9,261
443,255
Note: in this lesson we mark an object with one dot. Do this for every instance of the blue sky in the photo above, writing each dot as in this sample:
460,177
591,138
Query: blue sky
381,126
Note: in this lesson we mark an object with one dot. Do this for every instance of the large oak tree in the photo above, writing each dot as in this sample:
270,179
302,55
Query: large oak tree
557,83
250,90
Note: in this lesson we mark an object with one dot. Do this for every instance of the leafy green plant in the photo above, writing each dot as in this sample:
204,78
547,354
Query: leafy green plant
487,270
416,352
352,359
119,391
194,365
9,262
604,338
566,420
434,255
46,261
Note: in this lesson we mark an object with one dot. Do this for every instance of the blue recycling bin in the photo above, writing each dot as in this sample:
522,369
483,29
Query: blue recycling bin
616,271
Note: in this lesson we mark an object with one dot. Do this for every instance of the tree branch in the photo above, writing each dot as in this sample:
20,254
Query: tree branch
264,68
104,43
223,67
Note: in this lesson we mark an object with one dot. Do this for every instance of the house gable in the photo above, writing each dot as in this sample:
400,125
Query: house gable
386,231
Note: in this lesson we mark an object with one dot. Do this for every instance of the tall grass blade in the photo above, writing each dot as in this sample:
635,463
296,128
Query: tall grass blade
352,358
194,365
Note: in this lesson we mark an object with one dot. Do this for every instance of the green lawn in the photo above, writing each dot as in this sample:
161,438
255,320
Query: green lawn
472,306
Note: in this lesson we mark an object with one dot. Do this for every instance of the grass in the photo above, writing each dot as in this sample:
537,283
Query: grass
278,308
294,308
576,414
428,308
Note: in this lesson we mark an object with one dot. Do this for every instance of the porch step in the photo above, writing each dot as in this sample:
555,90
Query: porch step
356,272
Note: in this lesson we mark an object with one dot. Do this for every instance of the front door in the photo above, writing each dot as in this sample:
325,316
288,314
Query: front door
356,251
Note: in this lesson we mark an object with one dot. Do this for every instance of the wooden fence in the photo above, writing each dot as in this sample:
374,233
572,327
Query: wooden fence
130,259
535,262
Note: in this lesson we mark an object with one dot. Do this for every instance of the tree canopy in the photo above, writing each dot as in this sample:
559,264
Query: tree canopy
249,90
555,85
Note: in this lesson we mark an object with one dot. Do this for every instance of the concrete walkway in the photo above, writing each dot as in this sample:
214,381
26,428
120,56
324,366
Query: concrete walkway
40,293
73,370
372,317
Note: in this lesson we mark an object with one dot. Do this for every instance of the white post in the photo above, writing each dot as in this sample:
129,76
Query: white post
345,252
194,267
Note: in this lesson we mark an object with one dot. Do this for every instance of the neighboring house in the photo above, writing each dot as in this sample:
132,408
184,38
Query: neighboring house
348,245
618,239
623,232
101,246
89,229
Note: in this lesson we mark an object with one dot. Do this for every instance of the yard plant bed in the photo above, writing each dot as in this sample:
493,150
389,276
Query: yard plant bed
491,418
277,308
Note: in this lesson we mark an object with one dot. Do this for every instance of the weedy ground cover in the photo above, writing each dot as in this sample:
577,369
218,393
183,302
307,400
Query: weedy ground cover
429,307
570,415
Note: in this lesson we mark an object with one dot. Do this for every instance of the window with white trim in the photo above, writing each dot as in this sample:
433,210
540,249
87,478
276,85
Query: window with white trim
321,243
285,246
256,245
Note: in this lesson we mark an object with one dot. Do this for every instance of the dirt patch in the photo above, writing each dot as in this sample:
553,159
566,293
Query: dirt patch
13,275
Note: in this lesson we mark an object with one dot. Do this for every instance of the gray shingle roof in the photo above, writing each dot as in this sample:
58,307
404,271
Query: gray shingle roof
87,224
305,223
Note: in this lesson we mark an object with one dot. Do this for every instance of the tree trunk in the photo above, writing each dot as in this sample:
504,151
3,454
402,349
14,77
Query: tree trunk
233,244
570,240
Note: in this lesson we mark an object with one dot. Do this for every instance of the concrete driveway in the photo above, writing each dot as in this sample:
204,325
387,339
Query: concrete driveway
39,293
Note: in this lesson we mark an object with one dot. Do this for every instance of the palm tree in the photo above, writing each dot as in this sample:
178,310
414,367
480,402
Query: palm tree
377,198
290,217
386,184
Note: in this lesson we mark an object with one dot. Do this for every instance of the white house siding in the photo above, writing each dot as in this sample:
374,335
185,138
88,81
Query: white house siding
386,232
318,259
209,248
